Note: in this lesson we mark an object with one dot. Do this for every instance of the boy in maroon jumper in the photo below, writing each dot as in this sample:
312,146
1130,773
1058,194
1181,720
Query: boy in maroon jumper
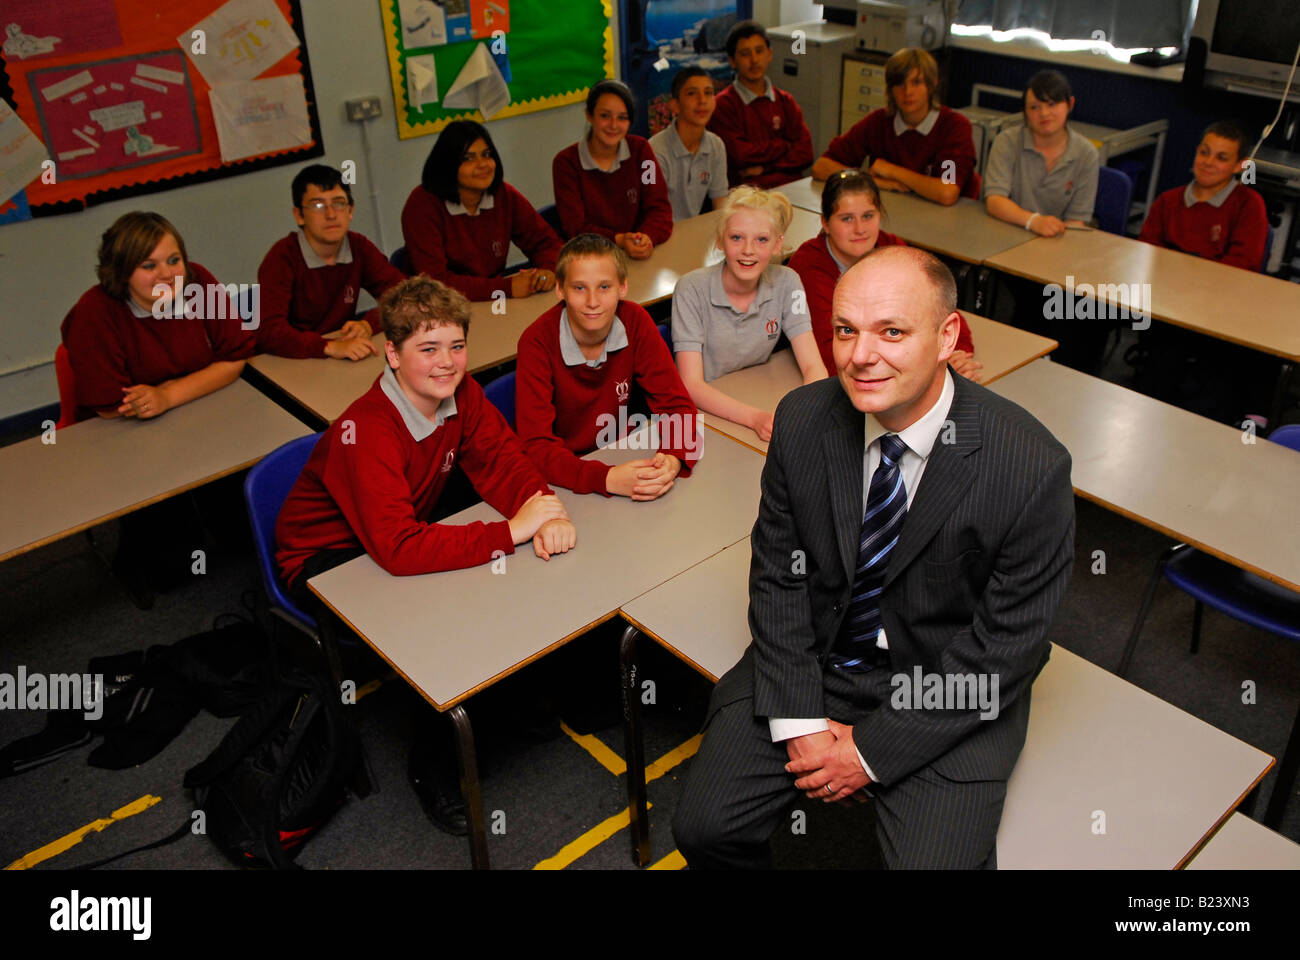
767,141
1214,216
913,144
576,369
310,280
375,475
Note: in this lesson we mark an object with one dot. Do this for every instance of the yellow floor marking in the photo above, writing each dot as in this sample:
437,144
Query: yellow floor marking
603,755
588,841
68,841
673,757
674,861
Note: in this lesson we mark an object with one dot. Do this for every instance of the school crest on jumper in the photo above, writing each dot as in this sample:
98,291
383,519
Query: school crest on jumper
776,121
349,295
1216,231
622,390
448,460
498,248
631,196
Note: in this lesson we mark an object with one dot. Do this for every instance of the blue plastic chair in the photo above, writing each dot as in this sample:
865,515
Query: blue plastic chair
265,489
552,217
1114,197
501,394
401,260
666,332
1242,596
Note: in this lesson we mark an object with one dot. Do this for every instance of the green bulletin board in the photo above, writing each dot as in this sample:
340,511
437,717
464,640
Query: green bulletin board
554,51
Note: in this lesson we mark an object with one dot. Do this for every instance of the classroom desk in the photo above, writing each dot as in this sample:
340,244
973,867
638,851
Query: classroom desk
1001,348
326,387
1186,476
1243,844
97,470
1227,303
691,247
453,634
963,231
1081,753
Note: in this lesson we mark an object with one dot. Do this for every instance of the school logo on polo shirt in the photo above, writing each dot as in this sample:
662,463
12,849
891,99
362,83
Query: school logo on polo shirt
773,327
498,248
349,295
448,460
623,390
704,176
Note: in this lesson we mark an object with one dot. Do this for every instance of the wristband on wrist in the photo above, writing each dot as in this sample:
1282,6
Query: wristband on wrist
1030,220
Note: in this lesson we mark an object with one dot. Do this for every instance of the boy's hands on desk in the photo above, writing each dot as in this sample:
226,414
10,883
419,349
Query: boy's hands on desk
355,328
350,348
555,536
531,280
644,479
761,424
638,246
538,510
1045,225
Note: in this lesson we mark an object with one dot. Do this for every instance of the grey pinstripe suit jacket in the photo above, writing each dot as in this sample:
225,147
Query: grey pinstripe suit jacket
983,560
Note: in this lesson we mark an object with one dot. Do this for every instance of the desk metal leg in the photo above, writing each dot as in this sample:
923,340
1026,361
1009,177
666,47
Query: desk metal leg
1279,394
634,748
469,787
984,291
1286,772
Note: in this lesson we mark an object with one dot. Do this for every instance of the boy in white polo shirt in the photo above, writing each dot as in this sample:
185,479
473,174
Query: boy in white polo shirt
693,159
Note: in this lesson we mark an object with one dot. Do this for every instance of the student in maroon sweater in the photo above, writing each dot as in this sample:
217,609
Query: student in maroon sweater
609,182
130,355
458,224
378,470
852,210
580,365
767,141
913,144
310,280
1214,216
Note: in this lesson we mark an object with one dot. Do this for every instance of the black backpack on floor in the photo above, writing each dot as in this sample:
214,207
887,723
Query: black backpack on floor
282,770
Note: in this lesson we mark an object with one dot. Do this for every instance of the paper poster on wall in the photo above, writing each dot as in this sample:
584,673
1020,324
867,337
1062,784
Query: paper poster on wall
15,209
114,114
479,86
41,28
260,116
424,24
240,40
21,154
422,79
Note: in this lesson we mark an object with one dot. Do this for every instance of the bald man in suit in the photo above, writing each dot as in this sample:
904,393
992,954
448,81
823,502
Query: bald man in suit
913,527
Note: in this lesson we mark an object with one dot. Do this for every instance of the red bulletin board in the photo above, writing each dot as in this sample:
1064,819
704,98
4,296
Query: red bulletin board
117,102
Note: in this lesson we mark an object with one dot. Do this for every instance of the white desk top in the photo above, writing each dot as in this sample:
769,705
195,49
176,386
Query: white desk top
1001,348
963,231
1095,742
450,634
1243,844
1227,303
1171,470
100,469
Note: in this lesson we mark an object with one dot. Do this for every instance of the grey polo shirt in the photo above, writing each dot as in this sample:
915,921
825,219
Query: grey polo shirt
691,176
1219,198
705,322
420,426
586,161
314,259
748,96
1016,170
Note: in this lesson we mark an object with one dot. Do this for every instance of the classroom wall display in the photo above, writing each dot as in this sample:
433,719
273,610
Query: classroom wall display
484,59
127,97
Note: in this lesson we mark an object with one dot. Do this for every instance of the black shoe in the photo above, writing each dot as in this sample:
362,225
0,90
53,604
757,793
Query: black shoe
447,811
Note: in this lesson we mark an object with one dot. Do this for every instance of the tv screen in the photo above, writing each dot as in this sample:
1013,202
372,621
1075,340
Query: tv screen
1257,30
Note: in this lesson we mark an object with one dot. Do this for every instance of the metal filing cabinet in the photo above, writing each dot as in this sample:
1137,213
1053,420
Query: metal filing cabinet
862,88
812,76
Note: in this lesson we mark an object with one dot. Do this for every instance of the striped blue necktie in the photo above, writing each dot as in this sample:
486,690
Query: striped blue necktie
881,525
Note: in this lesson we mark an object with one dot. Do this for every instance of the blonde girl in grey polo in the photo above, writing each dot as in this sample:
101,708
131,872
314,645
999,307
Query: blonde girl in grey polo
1042,175
730,315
